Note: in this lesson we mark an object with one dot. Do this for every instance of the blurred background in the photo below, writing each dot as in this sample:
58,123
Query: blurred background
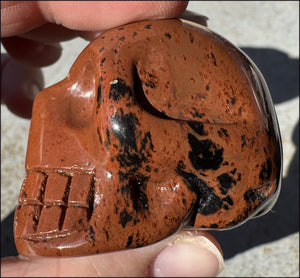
268,31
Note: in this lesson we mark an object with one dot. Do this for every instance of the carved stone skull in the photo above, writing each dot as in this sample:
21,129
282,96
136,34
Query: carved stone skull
160,125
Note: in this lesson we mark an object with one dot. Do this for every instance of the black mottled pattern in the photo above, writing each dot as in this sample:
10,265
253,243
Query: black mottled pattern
125,217
254,195
266,171
213,58
135,189
228,200
119,90
102,62
92,233
204,154
223,132
197,114
208,201
125,126
197,127
150,84
108,136
226,182
244,141
129,241
191,38
168,35
135,148
99,94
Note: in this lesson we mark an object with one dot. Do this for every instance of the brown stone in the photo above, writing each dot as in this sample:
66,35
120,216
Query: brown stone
159,125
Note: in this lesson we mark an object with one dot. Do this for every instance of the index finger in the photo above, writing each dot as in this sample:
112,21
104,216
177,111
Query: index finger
18,17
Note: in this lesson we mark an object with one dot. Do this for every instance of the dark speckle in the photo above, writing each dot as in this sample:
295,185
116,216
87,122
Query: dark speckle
198,127
213,59
99,135
120,28
134,34
122,39
102,61
129,241
191,38
101,49
265,172
197,114
99,94
226,182
148,26
168,35
228,200
233,100
92,233
244,142
223,132
207,87
150,84
119,89
204,154
125,217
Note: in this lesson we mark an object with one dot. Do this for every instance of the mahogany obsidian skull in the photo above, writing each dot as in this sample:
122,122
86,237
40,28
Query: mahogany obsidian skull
160,125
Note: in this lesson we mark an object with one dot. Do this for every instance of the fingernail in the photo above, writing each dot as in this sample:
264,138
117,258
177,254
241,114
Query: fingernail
190,257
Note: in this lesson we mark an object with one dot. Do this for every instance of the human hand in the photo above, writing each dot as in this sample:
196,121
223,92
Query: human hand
186,254
33,42
31,32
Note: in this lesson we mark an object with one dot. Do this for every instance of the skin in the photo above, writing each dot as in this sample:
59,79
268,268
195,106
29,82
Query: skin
39,26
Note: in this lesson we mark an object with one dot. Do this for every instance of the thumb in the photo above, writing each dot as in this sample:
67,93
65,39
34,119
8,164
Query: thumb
185,254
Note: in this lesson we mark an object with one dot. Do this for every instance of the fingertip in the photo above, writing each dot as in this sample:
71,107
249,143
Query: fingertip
196,256
18,17
19,86
103,15
32,52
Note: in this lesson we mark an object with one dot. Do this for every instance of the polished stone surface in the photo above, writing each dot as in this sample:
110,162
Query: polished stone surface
268,32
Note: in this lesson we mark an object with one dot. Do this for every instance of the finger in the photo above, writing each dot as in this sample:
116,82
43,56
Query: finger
32,52
19,17
50,33
194,17
187,253
19,85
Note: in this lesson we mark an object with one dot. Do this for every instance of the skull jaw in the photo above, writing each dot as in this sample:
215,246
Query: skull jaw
75,228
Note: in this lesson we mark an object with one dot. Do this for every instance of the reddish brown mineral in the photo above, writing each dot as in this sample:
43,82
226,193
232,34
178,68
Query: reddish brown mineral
159,125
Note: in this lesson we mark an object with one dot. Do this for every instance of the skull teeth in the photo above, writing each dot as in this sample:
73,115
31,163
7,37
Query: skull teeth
56,203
